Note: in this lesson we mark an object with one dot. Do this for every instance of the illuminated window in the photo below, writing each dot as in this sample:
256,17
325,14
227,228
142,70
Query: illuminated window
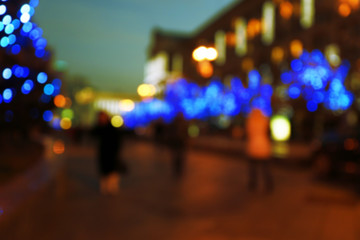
307,13
240,32
156,69
268,23
286,10
296,48
177,63
220,45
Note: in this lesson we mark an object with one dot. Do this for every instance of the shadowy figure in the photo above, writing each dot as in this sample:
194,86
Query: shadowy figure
109,142
258,150
177,138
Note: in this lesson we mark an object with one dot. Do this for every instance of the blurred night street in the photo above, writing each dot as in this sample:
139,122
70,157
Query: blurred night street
180,120
210,201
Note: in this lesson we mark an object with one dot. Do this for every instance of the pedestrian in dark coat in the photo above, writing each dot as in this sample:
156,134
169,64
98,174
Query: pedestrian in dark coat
109,142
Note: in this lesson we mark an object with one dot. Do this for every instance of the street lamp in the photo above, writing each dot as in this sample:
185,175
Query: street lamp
203,55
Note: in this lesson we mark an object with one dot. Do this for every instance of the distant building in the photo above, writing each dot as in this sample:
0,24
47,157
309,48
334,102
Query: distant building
263,35
257,34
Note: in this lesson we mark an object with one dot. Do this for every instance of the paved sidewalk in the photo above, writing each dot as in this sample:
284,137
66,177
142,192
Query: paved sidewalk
209,202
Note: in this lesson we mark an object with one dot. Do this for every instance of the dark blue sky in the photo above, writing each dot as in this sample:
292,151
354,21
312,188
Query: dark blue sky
106,41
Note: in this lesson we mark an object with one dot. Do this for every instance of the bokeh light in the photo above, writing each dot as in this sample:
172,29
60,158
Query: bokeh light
296,48
42,77
126,105
280,128
67,113
7,95
117,121
65,123
59,101
286,9
146,90
344,9
7,73
48,116
59,147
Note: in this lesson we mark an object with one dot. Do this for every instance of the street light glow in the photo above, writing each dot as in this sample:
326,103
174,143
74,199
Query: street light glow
203,53
280,128
146,90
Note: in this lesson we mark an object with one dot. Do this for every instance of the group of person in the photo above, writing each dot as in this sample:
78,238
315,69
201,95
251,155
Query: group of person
174,135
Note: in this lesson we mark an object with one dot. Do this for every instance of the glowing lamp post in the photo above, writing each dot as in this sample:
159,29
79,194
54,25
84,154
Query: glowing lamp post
203,55
280,128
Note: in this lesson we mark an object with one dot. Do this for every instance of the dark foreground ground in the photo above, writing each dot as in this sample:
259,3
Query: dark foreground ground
210,201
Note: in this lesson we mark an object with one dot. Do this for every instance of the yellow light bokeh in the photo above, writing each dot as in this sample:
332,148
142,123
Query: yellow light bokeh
296,48
60,101
280,128
146,90
117,121
126,105
344,10
65,123
84,96
286,10
203,53
199,53
212,54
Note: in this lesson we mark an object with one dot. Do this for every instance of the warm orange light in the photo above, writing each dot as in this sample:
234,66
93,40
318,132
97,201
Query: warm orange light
205,69
146,90
296,48
65,123
253,28
344,10
277,54
59,147
286,10
59,101
354,3
247,64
